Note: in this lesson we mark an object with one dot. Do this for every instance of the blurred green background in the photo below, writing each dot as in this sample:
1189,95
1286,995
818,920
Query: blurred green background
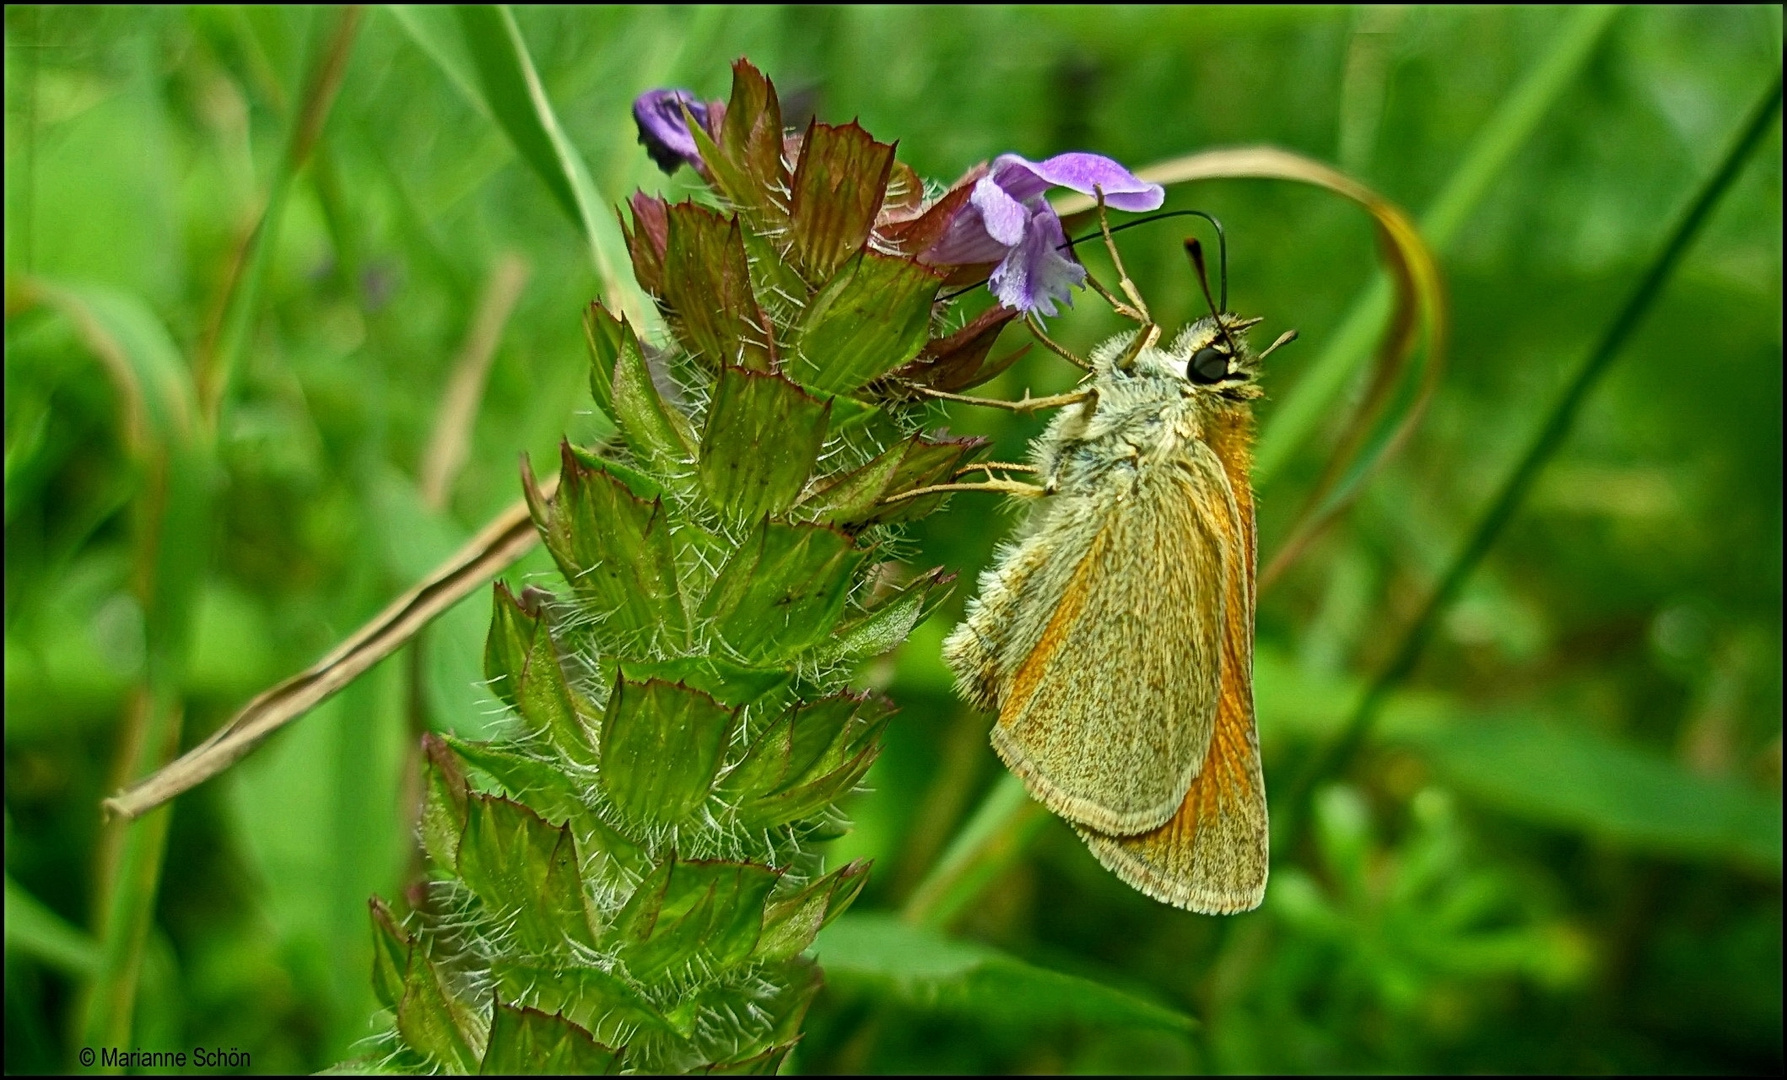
1561,847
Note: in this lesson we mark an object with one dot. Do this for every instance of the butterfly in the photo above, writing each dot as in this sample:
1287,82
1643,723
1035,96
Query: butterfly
1115,639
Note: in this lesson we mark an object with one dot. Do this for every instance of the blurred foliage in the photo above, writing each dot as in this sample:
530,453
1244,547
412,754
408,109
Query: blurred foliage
1562,848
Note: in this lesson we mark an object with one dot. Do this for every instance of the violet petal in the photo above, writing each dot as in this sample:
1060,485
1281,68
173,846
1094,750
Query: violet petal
965,241
1084,173
663,128
1036,273
1018,176
1005,218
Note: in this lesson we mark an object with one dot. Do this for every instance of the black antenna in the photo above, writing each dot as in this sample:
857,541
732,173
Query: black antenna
1196,251
1222,260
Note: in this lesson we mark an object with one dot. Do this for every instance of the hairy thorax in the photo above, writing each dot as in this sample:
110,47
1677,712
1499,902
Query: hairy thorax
1138,418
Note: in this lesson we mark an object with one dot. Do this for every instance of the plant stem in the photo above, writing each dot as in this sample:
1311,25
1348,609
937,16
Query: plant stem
997,834
1544,446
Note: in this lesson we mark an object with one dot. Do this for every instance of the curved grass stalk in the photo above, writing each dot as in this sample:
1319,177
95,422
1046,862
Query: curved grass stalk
1549,438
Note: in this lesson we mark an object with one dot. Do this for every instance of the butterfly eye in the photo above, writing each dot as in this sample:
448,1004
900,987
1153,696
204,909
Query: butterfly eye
1208,365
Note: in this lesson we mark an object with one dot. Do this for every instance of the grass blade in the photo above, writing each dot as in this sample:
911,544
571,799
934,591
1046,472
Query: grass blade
515,97
921,968
170,447
1545,443
507,538
234,318
31,927
1303,407
435,31
997,834
450,441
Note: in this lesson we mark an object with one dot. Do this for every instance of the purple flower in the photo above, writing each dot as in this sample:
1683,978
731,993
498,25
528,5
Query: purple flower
664,130
1008,221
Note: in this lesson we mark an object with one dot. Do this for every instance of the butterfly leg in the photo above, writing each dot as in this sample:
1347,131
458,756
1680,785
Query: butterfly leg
1026,404
1136,308
991,467
1009,487
1035,325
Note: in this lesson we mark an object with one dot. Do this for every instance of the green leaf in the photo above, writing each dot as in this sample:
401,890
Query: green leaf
791,986
924,970
725,682
529,1041
661,749
443,802
887,625
783,589
853,500
807,740
508,644
685,910
791,923
526,871
780,290
871,317
615,551
605,337
808,800
607,1006
368,1065
746,164
556,794
1581,780
762,438
926,462
707,285
432,1020
807,759
515,96
638,484
838,188
870,423
390,954
547,703
656,431
765,1063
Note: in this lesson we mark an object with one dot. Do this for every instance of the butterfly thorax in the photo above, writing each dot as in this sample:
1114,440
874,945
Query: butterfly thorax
1146,408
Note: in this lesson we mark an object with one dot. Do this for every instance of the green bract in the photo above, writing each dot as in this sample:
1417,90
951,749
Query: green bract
627,881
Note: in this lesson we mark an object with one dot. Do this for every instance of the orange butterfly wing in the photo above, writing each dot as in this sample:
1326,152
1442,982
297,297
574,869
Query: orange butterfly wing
1108,718
1212,854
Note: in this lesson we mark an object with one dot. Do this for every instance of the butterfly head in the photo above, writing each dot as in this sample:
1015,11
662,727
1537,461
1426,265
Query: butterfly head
1215,355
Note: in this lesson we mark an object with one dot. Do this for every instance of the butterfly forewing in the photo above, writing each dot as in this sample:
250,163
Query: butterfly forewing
1211,856
1109,716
